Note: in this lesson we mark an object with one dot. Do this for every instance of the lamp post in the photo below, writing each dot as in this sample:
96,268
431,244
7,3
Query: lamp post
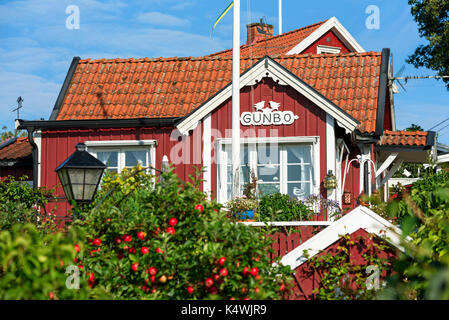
80,175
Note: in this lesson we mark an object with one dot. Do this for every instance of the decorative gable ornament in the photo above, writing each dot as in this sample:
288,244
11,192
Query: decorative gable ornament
267,116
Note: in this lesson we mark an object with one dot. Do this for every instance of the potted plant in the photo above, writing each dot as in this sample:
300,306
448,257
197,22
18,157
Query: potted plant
243,208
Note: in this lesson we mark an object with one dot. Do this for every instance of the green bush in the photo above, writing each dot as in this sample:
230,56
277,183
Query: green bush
21,204
280,207
422,271
33,266
165,240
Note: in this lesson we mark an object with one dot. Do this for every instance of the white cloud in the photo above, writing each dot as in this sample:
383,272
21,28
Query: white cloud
39,96
162,19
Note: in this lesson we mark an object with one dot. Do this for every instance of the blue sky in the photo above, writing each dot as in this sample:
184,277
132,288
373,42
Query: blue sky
36,48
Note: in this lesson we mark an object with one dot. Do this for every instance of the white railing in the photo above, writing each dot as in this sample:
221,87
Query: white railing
288,223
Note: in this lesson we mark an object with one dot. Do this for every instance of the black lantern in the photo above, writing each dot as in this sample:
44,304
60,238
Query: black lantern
80,175
330,181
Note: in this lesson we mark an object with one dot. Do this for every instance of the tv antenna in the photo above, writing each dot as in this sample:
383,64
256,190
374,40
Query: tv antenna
19,106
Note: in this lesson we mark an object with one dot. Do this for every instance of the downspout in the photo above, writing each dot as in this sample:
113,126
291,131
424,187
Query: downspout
35,155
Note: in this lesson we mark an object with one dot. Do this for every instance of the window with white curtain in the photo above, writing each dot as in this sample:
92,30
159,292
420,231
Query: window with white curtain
117,155
288,168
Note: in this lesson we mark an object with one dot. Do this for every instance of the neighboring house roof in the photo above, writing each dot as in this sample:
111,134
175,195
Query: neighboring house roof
359,218
296,41
174,87
277,45
405,138
15,148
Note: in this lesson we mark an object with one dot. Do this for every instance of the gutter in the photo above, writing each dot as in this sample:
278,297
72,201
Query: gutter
35,155
97,123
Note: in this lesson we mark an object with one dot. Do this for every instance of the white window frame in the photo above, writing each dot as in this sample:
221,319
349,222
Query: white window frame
251,142
121,146
327,49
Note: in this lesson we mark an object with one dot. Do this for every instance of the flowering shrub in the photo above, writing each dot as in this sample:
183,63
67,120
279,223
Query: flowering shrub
239,205
318,203
165,240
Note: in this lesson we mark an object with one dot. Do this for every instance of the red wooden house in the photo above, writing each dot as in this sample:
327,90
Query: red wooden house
312,101
16,159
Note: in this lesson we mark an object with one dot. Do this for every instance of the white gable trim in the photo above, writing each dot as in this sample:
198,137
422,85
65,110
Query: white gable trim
359,218
340,31
267,67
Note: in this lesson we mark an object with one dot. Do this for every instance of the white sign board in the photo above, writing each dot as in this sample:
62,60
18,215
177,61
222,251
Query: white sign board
267,116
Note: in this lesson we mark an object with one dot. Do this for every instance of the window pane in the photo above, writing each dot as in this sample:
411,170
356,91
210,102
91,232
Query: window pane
299,173
299,154
243,154
133,157
268,153
268,173
299,190
109,158
268,188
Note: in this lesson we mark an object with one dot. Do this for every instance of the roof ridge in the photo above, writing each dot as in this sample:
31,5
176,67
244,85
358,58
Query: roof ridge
244,46
212,58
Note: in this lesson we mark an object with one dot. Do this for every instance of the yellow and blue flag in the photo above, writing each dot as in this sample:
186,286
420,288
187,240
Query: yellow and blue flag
222,15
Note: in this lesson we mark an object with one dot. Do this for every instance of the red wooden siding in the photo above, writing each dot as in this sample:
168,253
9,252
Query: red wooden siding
306,279
57,145
286,241
333,42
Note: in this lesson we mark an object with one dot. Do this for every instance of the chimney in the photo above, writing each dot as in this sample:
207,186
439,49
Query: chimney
253,33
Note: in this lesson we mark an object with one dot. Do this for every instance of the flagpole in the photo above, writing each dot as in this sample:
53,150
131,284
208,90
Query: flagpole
280,16
236,101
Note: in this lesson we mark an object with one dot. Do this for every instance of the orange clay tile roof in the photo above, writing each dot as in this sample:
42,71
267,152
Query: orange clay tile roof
173,87
404,138
277,45
18,149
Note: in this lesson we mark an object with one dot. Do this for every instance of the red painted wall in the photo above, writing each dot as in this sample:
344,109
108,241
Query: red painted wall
306,279
57,145
334,42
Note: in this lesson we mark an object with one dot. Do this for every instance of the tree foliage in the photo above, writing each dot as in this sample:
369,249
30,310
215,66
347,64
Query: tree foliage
422,272
166,240
432,17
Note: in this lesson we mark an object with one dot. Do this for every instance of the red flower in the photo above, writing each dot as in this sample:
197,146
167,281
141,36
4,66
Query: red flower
170,230
190,290
127,238
199,207
97,242
135,266
144,250
132,250
91,276
159,250
77,248
221,261
245,271
172,222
